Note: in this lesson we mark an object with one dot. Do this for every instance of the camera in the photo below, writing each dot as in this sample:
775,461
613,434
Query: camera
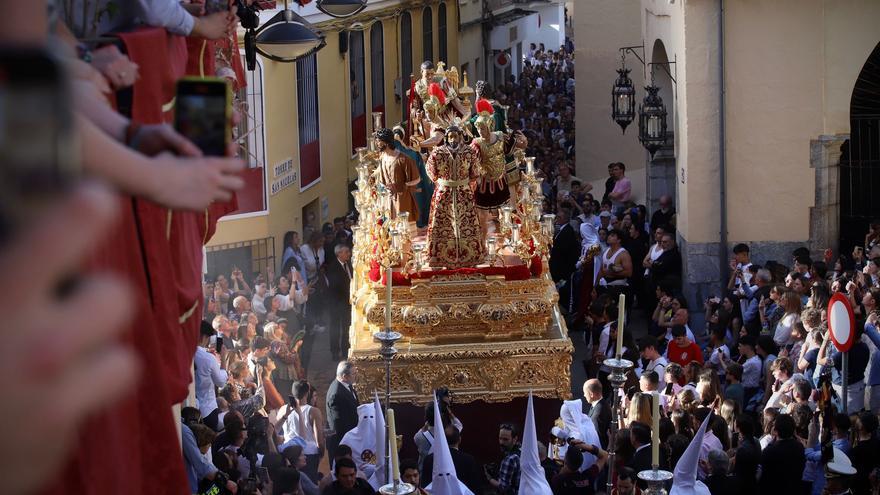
247,14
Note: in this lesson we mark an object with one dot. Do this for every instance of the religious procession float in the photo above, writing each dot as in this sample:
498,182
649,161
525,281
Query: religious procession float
451,287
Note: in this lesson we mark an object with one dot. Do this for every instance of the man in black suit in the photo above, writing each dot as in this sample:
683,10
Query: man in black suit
782,462
564,256
666,269
342,404
466,467
640,437
339,272
597,408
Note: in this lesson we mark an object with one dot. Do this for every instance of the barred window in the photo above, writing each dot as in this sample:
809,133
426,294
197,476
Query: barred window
307,120
428,33
377,64
406,57
441,32
250,132
357,83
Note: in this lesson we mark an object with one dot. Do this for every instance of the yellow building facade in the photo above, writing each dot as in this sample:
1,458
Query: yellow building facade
771,116
305,148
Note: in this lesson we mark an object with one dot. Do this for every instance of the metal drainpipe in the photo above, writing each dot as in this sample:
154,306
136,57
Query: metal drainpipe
722,149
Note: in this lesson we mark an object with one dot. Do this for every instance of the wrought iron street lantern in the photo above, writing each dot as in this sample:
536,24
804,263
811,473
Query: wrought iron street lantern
652,120
341,8
623,96
286,37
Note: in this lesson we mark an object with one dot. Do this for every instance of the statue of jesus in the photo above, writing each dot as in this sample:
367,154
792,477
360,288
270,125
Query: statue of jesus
454,234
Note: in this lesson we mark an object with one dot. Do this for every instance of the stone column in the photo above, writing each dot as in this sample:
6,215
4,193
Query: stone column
825,215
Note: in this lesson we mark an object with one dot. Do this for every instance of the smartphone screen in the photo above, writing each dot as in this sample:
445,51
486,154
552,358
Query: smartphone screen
212,6
263,475
203,114
36,137
219,344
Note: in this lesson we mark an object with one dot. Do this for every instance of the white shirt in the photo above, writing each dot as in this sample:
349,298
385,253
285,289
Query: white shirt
291,430
309,260
291,300
208,376
751,372
715,358
590,231
659,365
710,443
782,335
654,253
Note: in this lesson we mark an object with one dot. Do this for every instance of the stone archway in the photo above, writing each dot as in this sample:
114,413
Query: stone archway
661,169
860,158
847,166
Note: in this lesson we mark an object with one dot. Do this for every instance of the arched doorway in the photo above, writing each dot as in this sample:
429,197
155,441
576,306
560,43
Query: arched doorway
860,158
661,168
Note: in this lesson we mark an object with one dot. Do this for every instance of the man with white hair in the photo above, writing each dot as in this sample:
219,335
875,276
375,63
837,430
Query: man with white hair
664,217
342,404
240,305
224,328
339,272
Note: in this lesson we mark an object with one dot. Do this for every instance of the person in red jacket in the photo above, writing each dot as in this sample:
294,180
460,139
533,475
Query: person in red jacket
683,350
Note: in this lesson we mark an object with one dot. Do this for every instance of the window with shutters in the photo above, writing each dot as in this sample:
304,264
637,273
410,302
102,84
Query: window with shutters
357,83
307,120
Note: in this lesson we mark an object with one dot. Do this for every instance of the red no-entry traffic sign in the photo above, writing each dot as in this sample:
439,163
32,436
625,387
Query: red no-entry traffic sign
841,322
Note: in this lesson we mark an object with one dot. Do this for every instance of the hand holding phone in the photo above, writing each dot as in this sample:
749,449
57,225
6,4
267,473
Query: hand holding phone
204,113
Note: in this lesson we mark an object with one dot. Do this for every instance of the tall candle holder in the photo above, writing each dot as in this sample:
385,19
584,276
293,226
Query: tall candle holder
492,251
387,338
399,488
377,121
619,367
530,165
656,480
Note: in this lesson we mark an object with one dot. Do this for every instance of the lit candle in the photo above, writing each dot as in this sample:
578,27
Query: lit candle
549,219
621,322
505,215
493,249
537,206
377,121
388,272
655,430
530,165
392,437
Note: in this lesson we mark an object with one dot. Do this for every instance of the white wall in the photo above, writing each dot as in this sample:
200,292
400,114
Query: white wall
600,28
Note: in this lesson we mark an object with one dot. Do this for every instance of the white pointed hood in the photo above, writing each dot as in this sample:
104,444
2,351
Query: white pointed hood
377,480
532,480
445,480
362,439
580,427
684,480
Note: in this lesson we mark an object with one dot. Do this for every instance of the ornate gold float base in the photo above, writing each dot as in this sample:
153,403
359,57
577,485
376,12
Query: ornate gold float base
488,371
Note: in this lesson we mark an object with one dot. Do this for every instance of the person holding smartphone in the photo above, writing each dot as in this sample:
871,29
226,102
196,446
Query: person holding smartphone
208,377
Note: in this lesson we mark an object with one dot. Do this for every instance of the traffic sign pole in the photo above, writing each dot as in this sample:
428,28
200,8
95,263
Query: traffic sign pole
844,365
841,327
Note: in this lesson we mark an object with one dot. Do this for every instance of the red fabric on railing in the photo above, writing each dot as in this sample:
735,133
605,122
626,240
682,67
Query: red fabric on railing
250,199
149,48
138,429
309,163
358,132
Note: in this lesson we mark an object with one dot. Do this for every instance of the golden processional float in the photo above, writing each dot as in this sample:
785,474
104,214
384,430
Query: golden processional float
489,332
